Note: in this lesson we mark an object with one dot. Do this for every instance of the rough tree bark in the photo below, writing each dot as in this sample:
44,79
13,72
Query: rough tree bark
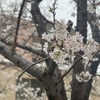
92,19
77,87
51,75
92,70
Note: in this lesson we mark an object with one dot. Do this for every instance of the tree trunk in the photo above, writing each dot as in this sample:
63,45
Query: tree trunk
92,19
54,92
92,70
82,18
51,74
50,88
77,87
50,78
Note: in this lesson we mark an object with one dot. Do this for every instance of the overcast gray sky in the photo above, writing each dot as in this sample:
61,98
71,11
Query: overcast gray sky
65,8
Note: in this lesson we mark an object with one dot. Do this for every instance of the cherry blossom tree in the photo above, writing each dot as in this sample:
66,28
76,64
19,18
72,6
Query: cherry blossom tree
57,46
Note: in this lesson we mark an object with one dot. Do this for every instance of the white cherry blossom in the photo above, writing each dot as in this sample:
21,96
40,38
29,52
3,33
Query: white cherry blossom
67,44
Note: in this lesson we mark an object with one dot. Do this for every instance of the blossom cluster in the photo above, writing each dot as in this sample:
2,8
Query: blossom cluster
61,44
7,88
95,85
83,76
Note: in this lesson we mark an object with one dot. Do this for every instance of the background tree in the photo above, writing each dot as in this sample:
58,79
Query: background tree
77,87
93,21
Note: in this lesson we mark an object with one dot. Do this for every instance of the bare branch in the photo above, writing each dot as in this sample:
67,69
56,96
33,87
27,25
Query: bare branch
27,68
18,24
38,52
26,41
42,24
77,60
54,12
2,10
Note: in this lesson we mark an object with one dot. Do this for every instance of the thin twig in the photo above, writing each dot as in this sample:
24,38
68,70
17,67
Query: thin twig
28,39
80,58
18,24
27,68
2,10
54,13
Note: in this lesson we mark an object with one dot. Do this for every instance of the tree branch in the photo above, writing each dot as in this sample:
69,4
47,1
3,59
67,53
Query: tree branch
27,68
18,24
42,24
20,61
38,52
92,19
2,11
77,60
